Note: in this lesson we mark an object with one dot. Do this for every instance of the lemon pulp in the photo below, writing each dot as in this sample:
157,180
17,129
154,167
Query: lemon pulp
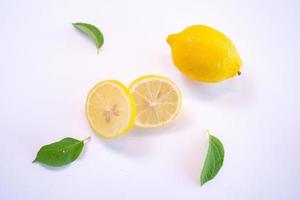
110,109
158,100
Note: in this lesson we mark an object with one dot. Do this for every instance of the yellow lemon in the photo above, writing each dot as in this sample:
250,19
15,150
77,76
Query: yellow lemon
158,100
110,109
204,54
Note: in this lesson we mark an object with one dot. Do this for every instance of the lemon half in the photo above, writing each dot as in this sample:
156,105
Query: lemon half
158,100
110,109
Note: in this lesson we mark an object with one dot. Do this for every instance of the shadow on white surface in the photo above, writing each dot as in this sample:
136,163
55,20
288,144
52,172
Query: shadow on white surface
191,158
140,142
237,90
54,168
126,146
166,62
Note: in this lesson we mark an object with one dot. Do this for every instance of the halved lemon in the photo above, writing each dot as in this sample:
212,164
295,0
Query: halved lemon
110,109
158,100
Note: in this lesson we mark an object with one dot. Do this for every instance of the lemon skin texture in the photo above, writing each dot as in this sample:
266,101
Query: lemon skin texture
204,54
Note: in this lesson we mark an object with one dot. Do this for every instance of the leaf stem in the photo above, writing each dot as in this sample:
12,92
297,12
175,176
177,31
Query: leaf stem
86,139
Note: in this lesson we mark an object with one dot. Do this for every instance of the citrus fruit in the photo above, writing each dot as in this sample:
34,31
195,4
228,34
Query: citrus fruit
204,54
158,100
110,109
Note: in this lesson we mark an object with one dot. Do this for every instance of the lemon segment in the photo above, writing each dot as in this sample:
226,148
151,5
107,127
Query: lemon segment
110,109
204,54
158,100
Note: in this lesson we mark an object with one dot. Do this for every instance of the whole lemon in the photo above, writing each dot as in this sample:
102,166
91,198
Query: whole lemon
204,54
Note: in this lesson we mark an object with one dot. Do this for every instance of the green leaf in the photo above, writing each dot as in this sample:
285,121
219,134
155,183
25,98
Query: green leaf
213,161
60,153
93,32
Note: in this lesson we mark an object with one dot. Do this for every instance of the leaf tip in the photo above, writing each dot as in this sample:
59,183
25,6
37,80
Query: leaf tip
75,25
202,182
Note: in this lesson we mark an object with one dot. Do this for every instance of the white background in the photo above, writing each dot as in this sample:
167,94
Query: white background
47,67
